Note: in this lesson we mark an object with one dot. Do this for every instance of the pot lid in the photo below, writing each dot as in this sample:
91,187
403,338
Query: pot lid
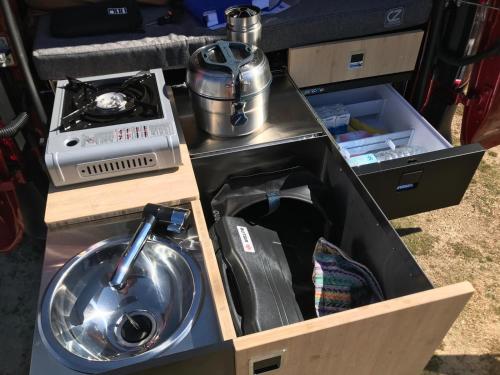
228,70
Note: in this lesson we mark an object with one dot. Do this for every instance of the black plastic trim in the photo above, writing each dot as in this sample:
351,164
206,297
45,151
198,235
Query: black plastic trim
444,178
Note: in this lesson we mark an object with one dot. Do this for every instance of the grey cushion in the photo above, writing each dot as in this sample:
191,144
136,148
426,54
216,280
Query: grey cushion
310,21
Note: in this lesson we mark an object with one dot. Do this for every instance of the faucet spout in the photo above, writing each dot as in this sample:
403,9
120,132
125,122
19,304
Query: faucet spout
130,255
174,217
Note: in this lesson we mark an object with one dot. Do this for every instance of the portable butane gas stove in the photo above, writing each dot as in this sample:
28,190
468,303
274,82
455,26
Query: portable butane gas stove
112,125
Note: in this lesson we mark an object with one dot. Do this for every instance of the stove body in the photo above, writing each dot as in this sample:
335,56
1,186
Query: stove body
109,126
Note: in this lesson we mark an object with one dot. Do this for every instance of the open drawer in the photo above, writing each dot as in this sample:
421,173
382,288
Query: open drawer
397,336
394,337
405,164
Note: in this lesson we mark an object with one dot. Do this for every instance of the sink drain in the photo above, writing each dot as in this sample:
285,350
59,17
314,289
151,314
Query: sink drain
134,329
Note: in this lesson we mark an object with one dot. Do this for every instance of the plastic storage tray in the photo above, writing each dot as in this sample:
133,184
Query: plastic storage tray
436,175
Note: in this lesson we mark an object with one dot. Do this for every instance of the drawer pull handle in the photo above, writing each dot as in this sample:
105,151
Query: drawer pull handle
409,180
405,187
267,365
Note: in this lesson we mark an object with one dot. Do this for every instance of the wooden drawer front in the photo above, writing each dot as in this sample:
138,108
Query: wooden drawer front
353,59
394,337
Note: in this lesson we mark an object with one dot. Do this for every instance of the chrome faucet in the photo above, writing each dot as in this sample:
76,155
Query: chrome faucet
175,218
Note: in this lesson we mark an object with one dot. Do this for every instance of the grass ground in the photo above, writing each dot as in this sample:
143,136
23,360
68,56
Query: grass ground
463,243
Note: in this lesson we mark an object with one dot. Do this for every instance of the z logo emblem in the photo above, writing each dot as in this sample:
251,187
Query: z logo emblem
394,17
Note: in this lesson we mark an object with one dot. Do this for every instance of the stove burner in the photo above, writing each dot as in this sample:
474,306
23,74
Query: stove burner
110,102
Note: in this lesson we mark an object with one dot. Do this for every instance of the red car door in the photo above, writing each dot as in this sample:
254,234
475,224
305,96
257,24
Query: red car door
481,120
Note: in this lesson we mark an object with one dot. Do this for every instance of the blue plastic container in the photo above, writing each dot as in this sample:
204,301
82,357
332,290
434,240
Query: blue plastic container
211,12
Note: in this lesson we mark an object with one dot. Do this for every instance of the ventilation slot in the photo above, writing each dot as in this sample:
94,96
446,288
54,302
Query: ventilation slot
117,166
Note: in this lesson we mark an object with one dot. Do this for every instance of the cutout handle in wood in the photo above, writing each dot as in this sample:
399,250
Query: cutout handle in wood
267,364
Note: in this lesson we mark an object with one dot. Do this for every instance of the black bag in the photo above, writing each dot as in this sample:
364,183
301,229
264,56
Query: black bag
114,16
256,276
295,205
285,213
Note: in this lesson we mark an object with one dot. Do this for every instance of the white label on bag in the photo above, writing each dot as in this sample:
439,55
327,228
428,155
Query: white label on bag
246,241
117,11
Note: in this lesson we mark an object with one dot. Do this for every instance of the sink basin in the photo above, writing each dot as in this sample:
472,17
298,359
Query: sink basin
92,327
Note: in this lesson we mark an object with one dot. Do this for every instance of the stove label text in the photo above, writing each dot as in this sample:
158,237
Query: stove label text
126,134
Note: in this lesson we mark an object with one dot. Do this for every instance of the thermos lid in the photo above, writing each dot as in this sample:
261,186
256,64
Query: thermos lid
228,71
242,17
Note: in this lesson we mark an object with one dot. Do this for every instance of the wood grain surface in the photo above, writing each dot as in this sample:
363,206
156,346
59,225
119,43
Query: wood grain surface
329,62
214,277
395,337
115,196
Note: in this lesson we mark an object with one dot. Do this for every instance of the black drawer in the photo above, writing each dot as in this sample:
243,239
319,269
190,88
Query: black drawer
406,165
361,228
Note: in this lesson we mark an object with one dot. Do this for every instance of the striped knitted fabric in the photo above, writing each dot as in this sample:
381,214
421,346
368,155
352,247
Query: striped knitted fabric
340,282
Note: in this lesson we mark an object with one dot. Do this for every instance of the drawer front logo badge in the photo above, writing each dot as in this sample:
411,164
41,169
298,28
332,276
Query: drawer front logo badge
394,17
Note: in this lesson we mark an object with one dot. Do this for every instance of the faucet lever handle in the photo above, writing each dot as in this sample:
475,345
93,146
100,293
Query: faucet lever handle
176,218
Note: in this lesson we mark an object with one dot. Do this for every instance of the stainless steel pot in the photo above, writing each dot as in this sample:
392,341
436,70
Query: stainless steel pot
229,84
243,24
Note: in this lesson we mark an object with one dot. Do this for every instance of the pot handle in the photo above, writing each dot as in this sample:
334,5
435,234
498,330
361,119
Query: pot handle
239,117
233,64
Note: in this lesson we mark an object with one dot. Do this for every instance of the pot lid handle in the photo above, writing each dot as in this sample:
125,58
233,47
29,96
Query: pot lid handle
231,63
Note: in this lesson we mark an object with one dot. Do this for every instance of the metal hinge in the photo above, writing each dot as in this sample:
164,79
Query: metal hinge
479,98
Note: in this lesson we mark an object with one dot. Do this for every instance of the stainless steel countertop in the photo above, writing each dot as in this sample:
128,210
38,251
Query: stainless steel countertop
289,119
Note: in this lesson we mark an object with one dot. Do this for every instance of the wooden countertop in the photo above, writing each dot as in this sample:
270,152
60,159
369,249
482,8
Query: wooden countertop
111,197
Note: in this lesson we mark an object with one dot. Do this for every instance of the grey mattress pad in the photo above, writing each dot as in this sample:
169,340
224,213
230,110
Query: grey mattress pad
306,22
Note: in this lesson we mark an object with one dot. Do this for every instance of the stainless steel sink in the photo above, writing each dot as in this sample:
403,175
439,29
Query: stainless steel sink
92,327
